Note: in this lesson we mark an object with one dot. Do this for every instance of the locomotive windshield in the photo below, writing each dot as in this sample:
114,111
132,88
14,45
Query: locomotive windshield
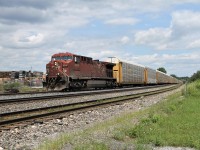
62,58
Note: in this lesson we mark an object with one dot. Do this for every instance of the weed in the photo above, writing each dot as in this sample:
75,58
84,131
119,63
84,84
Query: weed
155,118
158,142
119,135
92,146
133,133
142,147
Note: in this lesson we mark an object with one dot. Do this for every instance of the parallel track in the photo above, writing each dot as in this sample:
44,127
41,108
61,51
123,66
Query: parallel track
74,94
15,119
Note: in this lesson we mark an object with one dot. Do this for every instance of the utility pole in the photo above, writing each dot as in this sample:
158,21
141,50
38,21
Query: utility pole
111,59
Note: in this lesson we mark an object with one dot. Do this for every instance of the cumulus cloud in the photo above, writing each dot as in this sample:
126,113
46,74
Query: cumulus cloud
194,44
30,3
122,21
125,39
27,39
182,33
20,14
156,37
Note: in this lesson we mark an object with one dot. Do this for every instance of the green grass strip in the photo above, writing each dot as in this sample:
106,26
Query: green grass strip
174,123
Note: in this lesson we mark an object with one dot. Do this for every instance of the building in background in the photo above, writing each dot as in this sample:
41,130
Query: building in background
28,78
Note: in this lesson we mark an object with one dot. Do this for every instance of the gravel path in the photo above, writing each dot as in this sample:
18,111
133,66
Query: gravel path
30,136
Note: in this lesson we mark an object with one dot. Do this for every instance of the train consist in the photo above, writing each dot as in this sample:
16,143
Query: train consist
68,71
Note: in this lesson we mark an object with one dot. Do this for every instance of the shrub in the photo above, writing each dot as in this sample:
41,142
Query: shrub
10,86
118,135
193,88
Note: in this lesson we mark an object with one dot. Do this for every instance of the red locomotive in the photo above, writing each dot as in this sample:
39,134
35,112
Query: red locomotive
68,71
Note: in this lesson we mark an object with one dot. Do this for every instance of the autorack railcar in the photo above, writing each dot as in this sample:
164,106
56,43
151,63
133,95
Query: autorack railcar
129,74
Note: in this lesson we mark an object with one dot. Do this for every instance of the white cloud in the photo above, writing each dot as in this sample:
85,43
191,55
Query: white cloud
27,39
194,44
186,20
125,39
183,33
36,38
122,21
156,37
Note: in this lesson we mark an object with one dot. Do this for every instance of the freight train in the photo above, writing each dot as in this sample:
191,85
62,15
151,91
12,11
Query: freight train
67,71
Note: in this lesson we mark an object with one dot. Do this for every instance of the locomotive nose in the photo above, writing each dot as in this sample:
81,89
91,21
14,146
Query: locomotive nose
54,68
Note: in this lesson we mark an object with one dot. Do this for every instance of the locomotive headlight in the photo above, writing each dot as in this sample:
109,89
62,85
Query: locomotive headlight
58,74
55,63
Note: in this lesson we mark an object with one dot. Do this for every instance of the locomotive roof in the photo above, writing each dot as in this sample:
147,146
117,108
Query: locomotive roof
71,54
63,54
68,54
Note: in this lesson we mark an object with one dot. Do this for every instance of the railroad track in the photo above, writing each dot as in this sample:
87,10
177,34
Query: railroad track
23,118
26,93
71,94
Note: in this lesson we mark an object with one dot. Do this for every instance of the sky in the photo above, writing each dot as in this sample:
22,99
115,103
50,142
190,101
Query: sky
155,33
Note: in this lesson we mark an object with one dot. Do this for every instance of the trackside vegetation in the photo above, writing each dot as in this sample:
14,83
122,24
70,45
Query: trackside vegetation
173,122
16,86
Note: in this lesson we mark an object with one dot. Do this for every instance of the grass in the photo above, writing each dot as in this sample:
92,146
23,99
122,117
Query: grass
54,144
92,145
29,89
16,85
174,122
